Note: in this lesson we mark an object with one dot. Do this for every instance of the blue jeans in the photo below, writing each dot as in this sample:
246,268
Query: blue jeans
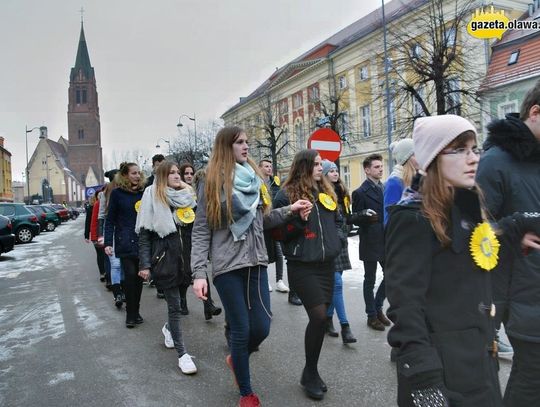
373,304
246,300
172,296
116,270
337,300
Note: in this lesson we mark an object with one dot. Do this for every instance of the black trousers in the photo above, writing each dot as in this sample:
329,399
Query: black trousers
132,285
523,388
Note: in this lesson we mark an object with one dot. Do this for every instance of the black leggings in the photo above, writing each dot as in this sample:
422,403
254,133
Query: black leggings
132,284
314,337
100,257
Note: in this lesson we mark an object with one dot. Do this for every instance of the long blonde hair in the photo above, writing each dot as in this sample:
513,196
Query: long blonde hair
220,174
409,171
161,179
300,183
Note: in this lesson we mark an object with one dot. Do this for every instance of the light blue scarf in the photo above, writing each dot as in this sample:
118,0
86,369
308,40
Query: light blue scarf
245,199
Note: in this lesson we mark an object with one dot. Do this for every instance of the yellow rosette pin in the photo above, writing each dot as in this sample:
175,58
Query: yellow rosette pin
347,204
186,215
138,206
484,247
266,198
277,181
327,201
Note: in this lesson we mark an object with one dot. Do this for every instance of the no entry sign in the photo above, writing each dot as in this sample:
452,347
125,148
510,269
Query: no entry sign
327,142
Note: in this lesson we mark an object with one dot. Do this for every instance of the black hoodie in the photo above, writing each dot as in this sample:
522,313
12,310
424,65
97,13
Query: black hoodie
509,176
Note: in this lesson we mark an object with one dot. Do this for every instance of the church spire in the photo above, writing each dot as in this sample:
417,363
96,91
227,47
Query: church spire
82,62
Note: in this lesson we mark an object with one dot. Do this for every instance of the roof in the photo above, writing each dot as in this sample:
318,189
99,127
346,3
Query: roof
82,61
527,43
343,38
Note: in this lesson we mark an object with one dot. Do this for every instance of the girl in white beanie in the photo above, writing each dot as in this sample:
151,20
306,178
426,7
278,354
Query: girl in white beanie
439,251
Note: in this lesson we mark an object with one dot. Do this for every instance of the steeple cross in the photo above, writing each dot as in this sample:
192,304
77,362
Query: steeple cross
82,12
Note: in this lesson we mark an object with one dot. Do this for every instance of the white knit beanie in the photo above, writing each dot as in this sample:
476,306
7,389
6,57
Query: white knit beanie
432,134
402,150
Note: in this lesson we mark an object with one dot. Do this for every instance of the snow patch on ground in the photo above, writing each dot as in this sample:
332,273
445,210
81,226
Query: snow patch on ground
61,377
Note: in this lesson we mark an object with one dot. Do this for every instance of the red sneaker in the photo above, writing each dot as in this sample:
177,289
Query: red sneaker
228,360
249,401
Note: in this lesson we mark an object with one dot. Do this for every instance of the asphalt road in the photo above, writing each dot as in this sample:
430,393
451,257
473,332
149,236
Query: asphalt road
63,343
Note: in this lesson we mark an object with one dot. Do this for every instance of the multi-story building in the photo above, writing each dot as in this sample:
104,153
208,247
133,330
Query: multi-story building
6,191
343,80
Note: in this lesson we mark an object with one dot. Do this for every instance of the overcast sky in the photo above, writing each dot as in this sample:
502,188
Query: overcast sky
153,60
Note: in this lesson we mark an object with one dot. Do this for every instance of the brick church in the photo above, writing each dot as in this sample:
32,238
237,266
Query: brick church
61,170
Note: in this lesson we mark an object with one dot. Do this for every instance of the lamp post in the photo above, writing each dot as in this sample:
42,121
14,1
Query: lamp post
388,112
166,141
194,120
42,134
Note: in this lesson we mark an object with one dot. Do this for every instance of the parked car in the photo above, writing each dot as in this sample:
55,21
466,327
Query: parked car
62,212
24,222
7,238
73,212
47,218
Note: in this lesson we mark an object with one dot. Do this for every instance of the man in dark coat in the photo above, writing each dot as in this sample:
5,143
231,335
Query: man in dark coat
156,160
368,200
509,175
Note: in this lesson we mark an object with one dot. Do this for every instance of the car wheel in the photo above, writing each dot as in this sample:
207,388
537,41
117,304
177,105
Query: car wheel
24,235
50,226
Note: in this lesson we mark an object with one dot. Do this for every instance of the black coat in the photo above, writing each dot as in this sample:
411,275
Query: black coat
440,303
369,196
509,175
319,239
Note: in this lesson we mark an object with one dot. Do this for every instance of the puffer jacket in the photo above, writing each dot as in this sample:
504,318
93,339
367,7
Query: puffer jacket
218,245
509,176
319,239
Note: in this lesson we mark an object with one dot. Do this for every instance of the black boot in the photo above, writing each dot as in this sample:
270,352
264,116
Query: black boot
117,294
311,385
293,298
330,330
210,309
183,306
346,334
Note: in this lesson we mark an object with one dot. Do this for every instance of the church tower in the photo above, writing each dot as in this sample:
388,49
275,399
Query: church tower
84,129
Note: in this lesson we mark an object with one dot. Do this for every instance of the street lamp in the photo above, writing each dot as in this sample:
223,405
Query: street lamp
194,120
166,141
42,134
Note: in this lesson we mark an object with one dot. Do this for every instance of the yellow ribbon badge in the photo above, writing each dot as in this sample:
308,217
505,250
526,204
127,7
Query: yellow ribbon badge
484,247
186,215
327,201
266,198
347,204
277,181
138,206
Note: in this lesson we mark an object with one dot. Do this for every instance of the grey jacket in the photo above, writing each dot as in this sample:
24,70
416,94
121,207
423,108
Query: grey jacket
219,246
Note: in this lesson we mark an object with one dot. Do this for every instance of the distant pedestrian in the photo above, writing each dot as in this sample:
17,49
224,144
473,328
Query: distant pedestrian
232,213
310,245
90,235
167,205
124,204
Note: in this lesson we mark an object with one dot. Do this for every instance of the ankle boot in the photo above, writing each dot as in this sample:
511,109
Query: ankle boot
210,309
311,385
183,306
330,330
346,334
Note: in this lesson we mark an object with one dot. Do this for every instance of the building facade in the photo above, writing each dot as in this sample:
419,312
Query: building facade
6,190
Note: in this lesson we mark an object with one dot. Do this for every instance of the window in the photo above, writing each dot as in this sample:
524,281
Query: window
81,134
284,107
417,107
453,99
344,123
7,210
285,141
84,96
298,100
346,175
313,93
78,96
513,57
450,37
300,137
365,114
363,73
393,115
416,51
342,82
507,107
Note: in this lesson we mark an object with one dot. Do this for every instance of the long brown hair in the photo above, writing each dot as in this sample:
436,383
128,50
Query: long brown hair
408,173
183,169
121,177
437,197
220,174
300,183
161,181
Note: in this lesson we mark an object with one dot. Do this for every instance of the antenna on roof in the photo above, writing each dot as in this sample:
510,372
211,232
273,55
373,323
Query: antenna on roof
82,13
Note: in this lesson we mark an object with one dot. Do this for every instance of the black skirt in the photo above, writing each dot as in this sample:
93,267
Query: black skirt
313,282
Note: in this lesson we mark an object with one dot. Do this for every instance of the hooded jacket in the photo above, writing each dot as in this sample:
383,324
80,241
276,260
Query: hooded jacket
509,175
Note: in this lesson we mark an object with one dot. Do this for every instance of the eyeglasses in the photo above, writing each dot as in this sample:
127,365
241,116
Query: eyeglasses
463,152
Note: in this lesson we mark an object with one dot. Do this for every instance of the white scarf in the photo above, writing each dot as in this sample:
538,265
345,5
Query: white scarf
155,216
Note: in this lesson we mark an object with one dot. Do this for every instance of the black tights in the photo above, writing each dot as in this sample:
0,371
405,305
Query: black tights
313,340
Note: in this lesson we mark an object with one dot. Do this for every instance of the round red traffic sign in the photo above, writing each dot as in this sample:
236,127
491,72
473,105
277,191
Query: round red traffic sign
327,142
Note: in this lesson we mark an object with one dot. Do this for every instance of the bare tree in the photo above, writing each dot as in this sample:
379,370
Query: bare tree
195,148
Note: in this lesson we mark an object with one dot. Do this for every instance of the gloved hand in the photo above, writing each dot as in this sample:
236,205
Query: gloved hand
429,397
362,217
516,225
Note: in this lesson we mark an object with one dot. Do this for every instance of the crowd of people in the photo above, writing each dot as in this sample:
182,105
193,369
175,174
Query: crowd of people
455,230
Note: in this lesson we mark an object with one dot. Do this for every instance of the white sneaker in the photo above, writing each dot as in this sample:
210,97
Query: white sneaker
186,365
270,287
281,287
169,343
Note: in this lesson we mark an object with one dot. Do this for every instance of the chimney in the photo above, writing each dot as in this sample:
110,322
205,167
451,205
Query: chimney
1,141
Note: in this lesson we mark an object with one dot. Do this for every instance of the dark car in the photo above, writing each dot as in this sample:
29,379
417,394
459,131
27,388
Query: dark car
7,239
25,223
62,212
73,212
47,218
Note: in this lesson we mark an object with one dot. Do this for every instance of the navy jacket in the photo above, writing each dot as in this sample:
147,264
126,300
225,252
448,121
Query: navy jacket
370,196
120,223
